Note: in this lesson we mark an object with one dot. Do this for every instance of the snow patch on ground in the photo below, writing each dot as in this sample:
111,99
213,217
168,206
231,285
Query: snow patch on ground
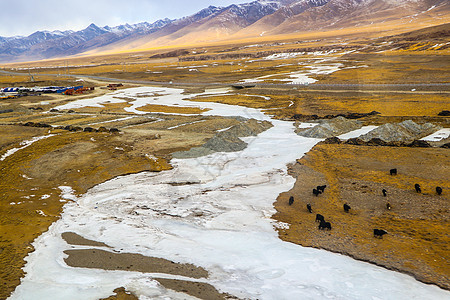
152,95
301,77
283,55
184,124
438,135
259,96
67,193
24,144
356,133
307,125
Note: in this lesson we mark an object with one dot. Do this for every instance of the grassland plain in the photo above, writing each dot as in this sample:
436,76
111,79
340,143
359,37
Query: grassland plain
30,177
393,107
417,224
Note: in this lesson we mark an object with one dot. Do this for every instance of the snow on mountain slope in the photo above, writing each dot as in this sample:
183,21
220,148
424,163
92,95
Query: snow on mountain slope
248,20
45,44
335,14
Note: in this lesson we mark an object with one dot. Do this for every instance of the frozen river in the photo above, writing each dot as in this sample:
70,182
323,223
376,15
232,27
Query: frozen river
220,219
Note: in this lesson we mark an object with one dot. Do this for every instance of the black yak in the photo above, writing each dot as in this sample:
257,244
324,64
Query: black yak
393,171
438,190
384,192
324,225
417,187
346,207
321,188
379,233
308,207
319,218
291,200
316,192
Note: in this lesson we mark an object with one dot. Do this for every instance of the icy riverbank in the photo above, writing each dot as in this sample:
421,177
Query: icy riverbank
213,211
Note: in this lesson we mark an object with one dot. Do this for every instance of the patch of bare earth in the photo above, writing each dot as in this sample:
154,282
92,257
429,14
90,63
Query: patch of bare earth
106,260
121,294
417,242
197,289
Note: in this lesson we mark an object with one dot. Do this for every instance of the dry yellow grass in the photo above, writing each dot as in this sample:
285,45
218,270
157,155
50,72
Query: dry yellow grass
26,176
107,108
393,67
171,109
417,225
5,79
121,294
388,104
18,80
286,103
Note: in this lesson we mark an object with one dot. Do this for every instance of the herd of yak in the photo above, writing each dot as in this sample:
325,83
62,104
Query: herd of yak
378,233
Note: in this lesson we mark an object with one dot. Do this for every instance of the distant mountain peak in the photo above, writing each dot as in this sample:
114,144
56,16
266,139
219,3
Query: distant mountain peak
252,19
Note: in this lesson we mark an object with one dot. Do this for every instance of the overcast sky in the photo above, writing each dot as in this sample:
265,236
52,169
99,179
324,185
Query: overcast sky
23,17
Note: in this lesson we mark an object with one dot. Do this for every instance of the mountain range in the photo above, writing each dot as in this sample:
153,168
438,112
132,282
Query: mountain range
261,18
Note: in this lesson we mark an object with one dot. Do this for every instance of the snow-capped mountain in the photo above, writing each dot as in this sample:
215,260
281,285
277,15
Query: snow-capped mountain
356,13
211,24
253,19
46,44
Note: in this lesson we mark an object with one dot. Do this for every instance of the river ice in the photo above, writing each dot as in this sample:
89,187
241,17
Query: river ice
215,212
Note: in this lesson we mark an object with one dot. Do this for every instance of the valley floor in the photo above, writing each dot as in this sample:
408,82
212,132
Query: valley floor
185,213
93,211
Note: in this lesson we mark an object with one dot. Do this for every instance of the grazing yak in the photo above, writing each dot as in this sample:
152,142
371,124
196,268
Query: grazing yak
291,200
438,190
320,218
384,192
346,207
378,233
388,206
321,188
316,192
308,207
324,225
393,171
417,187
